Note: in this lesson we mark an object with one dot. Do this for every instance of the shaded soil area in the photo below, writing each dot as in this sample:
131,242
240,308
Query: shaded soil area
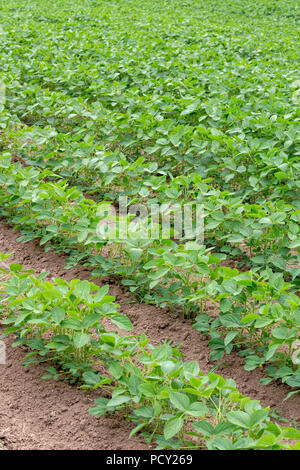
43,414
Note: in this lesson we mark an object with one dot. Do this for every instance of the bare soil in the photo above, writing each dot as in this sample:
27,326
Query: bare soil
43,414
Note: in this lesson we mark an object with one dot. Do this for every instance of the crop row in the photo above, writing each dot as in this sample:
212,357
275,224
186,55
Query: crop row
166,106
199,94
171,400
255,235
258,315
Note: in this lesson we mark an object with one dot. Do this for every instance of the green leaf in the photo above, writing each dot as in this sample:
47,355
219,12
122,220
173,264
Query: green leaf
279,262
80,340
271,351
71,324
239,418
101,294
257,416
122,322
281,332
118,400
250,318
135,254
230,286
179,400
204,428
116,370
161,272
82,290
197,409
57,346
91,378
58,314
137,429
191,369
172,427
91,320
290,433
221,443
266,440
262,322
109,339
148,390
229,337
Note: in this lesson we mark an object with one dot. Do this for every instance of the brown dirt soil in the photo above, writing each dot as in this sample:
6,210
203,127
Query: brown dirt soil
42,414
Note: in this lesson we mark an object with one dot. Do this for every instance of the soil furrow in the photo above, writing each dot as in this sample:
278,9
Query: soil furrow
38,414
